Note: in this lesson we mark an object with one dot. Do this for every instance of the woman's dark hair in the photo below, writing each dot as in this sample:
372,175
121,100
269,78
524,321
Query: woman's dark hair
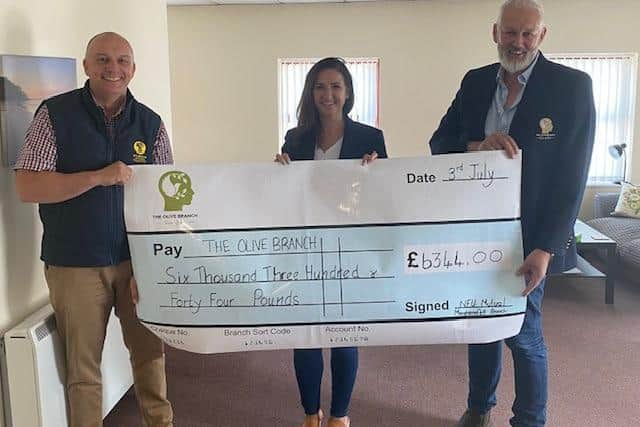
308,117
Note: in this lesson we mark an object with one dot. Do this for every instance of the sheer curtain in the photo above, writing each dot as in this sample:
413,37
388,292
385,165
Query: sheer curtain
614,90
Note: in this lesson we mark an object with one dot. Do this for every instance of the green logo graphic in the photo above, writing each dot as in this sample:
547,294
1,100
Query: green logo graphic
175,188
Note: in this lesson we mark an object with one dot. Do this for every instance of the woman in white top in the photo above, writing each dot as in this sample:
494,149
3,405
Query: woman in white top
325,131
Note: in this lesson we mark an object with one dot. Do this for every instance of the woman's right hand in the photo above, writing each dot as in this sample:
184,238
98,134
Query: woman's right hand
283,159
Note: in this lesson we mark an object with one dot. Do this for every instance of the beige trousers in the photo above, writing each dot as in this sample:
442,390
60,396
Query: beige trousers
82,299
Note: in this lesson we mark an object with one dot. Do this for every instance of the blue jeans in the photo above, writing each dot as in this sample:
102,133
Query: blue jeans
530,365
309,366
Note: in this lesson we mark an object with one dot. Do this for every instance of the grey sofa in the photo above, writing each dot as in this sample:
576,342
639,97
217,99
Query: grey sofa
625,231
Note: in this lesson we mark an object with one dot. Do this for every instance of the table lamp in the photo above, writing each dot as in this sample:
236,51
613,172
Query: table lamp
617,151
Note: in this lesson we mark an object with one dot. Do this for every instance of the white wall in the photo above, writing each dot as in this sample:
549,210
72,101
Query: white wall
62,28
224,63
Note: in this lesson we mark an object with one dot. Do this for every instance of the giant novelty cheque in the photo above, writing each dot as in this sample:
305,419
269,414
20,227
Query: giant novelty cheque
238,257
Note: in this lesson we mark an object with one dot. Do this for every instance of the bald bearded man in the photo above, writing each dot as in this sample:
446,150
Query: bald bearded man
525,102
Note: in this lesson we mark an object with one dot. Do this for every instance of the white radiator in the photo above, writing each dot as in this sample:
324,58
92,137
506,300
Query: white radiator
36,371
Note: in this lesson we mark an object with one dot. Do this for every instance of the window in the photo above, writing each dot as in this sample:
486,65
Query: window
364,72
614,90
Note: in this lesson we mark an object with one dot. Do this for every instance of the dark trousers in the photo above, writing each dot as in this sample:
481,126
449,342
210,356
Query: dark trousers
309,367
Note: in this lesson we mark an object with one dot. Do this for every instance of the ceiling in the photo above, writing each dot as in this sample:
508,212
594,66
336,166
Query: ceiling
219,2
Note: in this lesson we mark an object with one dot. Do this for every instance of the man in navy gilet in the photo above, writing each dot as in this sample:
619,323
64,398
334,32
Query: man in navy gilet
74,164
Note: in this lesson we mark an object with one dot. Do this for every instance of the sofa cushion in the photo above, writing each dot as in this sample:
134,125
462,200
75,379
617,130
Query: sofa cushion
629,201
630,253
617,228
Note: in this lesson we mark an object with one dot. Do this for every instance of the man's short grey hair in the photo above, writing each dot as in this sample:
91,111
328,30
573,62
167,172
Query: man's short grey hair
535,4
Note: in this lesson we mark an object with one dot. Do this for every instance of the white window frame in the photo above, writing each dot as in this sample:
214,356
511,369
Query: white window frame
604,168
363,111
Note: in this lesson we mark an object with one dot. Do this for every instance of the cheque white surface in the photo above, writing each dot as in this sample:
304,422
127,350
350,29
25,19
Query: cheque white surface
236,257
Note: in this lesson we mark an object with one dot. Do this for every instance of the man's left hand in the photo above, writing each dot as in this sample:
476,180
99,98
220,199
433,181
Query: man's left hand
534,268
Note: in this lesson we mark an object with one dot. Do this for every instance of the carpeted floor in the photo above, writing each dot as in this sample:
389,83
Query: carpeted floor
594,375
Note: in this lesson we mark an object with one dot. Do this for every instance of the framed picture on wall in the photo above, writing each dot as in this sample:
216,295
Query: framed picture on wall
25,81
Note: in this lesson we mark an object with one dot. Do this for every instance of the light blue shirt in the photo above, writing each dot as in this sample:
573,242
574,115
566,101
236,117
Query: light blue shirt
499,119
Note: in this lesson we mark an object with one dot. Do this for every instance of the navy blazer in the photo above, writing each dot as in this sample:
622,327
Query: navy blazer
556,151
358,140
